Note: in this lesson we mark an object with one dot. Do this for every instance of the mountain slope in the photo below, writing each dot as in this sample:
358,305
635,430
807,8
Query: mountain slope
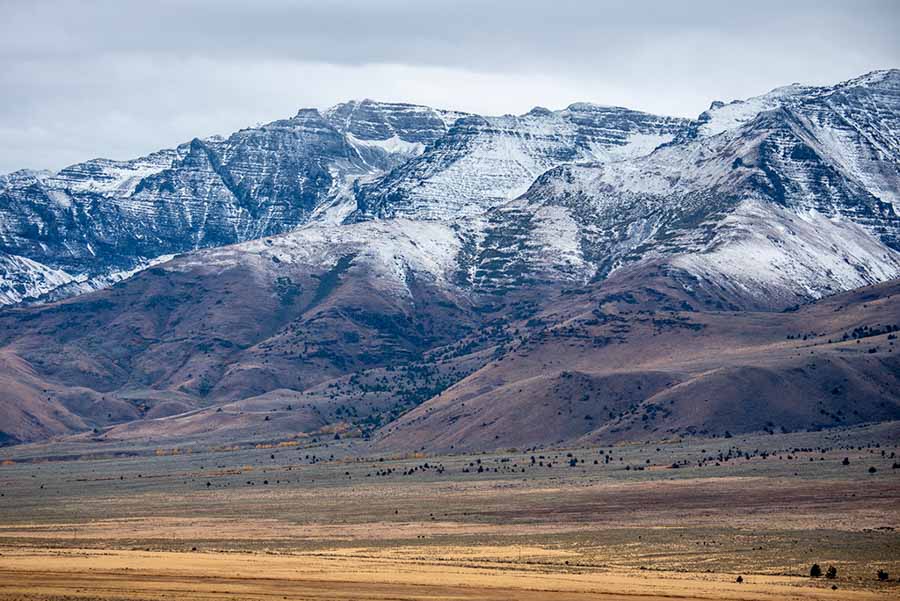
632,361
100,217
103,217
768,208
485,161
287,312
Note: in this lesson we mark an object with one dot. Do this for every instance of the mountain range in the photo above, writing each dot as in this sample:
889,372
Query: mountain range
430,279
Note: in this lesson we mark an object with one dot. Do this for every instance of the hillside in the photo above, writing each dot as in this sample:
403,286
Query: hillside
640,358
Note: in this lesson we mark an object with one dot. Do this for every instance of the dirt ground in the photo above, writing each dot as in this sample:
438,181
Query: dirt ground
64,574
321,523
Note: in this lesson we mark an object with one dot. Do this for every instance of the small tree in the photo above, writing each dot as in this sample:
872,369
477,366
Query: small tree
882,575
740,579
831,574
815,571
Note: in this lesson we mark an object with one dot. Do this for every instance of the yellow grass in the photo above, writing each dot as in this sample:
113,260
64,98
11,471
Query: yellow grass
366,574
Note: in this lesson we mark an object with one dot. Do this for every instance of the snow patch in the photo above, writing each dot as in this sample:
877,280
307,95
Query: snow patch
723,117
767,250
385,250
392,145
22,278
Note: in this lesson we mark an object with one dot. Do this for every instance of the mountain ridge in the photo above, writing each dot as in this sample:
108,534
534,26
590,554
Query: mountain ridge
377,258
210,192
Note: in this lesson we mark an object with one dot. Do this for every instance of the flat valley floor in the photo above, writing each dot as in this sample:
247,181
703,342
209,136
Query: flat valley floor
331,520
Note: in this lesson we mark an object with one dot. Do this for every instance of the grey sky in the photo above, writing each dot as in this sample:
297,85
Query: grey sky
119,79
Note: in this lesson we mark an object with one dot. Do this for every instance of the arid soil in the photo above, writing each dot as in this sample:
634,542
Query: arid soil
317,522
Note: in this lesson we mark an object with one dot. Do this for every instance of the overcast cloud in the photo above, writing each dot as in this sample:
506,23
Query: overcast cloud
121,79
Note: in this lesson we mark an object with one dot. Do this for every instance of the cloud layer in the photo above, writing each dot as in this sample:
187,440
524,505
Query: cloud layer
120,79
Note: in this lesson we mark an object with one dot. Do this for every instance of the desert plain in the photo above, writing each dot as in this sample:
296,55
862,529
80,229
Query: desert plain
316,518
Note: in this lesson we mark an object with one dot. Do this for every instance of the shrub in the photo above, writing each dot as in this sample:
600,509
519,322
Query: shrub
882,575
815,571
831,574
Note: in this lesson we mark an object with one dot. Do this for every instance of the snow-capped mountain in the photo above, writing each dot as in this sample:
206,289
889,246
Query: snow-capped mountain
102,217
483,162
565,195
793,203
382,123
96,219
321,255
778,208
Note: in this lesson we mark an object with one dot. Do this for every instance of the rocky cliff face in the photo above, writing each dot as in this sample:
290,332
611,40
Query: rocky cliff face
382,121
367,158
104,214
791,203
100,217
483,162
569,195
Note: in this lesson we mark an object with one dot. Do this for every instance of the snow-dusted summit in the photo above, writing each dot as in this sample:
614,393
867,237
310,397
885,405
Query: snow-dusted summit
103,217
794,200
783,197
483,162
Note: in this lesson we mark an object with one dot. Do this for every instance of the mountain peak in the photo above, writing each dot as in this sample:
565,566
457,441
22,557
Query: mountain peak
369,119
308,113
539,110
592,107
873,78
